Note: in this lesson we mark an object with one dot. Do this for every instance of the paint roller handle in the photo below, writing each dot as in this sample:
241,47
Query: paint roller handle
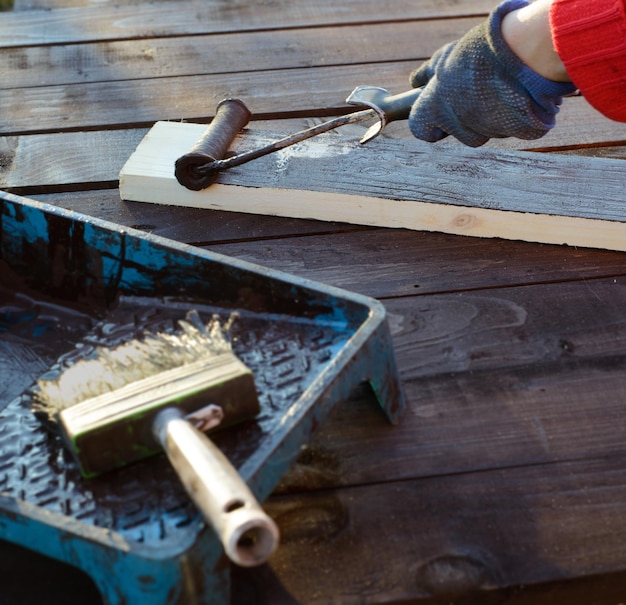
197,170
248,534
231,116
389,108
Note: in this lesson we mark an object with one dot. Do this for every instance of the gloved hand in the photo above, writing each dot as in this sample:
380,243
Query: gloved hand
477,88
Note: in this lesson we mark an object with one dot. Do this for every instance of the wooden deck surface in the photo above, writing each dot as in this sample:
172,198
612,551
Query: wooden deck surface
505,481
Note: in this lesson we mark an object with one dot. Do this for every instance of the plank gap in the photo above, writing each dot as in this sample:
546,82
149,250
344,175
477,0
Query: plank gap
507,286
61,188
271,238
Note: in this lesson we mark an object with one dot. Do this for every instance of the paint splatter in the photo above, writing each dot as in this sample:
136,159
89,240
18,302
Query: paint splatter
318,147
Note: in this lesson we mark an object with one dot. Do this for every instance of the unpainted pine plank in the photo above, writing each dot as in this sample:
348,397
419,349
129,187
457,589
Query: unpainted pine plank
228,53
115,21
452,537
482,193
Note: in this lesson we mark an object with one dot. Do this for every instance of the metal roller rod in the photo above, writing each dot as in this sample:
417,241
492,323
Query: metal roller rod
215,166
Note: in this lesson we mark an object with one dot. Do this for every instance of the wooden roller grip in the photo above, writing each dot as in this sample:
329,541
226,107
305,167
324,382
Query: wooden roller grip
230,118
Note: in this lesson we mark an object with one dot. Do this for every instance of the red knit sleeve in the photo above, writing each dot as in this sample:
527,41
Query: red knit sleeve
590,38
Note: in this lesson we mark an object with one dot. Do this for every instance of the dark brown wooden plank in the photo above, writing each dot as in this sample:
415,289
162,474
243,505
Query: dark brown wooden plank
189,225
451,538
383,263
260,586
115,21
470,421
377,262
493,378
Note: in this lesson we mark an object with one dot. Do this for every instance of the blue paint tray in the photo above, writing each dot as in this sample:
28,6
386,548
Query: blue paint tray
67,278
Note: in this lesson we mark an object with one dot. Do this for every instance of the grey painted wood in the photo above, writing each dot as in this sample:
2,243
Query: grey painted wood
412,170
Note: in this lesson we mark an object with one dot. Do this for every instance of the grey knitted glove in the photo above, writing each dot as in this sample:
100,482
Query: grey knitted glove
477,88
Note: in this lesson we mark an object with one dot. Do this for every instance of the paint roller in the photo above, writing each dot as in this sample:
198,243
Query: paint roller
198,168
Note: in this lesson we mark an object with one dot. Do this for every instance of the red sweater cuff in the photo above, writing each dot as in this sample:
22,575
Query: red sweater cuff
590,38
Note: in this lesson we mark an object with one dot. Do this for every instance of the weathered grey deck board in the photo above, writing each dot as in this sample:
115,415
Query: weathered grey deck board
321,91
227,53
115,21
509,181
142,102
65,159
97,157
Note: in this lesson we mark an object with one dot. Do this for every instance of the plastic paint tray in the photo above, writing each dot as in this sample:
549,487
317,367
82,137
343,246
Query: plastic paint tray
66,277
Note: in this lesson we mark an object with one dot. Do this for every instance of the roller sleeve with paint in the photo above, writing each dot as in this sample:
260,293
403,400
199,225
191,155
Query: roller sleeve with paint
230,118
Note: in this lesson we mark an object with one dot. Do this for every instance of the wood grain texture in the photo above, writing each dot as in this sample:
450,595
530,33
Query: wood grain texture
80,158
375,262
451,538
408,263
190,225
115,21
494,378
142,102
481,193
228,53
304,92
90,159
